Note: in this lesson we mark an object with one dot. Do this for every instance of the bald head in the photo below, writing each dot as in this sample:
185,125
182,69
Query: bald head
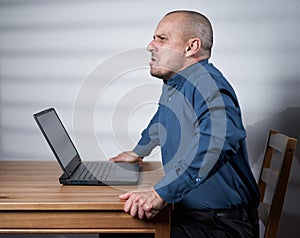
181,39
195,25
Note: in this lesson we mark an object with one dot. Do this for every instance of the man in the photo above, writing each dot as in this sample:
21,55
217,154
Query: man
199,129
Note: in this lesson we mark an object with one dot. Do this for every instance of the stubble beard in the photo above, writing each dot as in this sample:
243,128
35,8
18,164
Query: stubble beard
161,73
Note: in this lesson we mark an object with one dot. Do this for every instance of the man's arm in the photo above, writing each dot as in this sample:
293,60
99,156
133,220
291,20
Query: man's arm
143,204
146,144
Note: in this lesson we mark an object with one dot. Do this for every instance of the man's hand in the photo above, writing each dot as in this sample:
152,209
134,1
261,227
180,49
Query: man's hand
143,204
127,156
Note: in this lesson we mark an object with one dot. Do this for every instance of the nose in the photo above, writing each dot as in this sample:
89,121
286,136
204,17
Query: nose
151,46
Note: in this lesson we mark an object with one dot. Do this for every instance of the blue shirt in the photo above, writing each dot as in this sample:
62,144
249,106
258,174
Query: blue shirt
199,128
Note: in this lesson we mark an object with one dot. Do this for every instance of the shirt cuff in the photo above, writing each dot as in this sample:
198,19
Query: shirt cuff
143,150
172,186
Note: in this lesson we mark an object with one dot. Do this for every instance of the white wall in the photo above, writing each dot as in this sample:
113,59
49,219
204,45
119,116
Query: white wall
50,50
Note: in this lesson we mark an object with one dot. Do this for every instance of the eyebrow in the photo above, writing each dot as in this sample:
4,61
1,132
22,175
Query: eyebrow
163,35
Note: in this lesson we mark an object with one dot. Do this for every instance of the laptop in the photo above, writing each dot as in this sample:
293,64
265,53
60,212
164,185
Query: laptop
76,171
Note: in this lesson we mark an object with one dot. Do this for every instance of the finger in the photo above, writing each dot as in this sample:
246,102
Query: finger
133,210
125,196
128,206
127,156
117,159
147,207
120,157
151,214
141,202
141,213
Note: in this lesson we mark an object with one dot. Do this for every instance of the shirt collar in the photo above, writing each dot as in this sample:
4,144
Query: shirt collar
178,79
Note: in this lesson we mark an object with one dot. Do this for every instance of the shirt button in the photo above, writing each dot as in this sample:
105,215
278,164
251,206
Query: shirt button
169,99
198,180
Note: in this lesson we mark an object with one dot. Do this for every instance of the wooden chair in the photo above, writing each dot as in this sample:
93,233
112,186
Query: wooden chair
274,179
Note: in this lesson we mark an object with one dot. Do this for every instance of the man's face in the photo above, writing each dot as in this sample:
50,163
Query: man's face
167,48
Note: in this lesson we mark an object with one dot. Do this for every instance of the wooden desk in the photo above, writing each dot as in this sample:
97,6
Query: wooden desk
33,201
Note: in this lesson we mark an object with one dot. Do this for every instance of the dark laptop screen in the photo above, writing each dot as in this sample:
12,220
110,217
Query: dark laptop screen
57,136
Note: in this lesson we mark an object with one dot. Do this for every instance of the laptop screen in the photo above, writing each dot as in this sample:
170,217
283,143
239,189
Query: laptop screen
57,137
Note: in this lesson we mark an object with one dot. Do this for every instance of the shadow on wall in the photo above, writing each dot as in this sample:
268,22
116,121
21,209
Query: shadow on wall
286,122
289,226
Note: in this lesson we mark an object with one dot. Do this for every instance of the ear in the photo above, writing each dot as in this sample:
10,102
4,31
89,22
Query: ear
193,47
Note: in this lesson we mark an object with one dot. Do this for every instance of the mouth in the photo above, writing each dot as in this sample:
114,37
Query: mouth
153,60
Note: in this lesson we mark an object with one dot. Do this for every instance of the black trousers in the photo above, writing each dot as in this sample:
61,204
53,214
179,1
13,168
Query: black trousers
231,223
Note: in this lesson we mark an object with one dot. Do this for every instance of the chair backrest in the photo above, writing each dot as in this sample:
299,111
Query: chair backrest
273,180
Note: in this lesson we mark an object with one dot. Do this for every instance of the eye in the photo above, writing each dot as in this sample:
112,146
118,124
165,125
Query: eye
162,38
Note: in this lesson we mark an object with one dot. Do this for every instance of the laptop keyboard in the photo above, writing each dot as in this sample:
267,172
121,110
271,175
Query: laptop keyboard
93,170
